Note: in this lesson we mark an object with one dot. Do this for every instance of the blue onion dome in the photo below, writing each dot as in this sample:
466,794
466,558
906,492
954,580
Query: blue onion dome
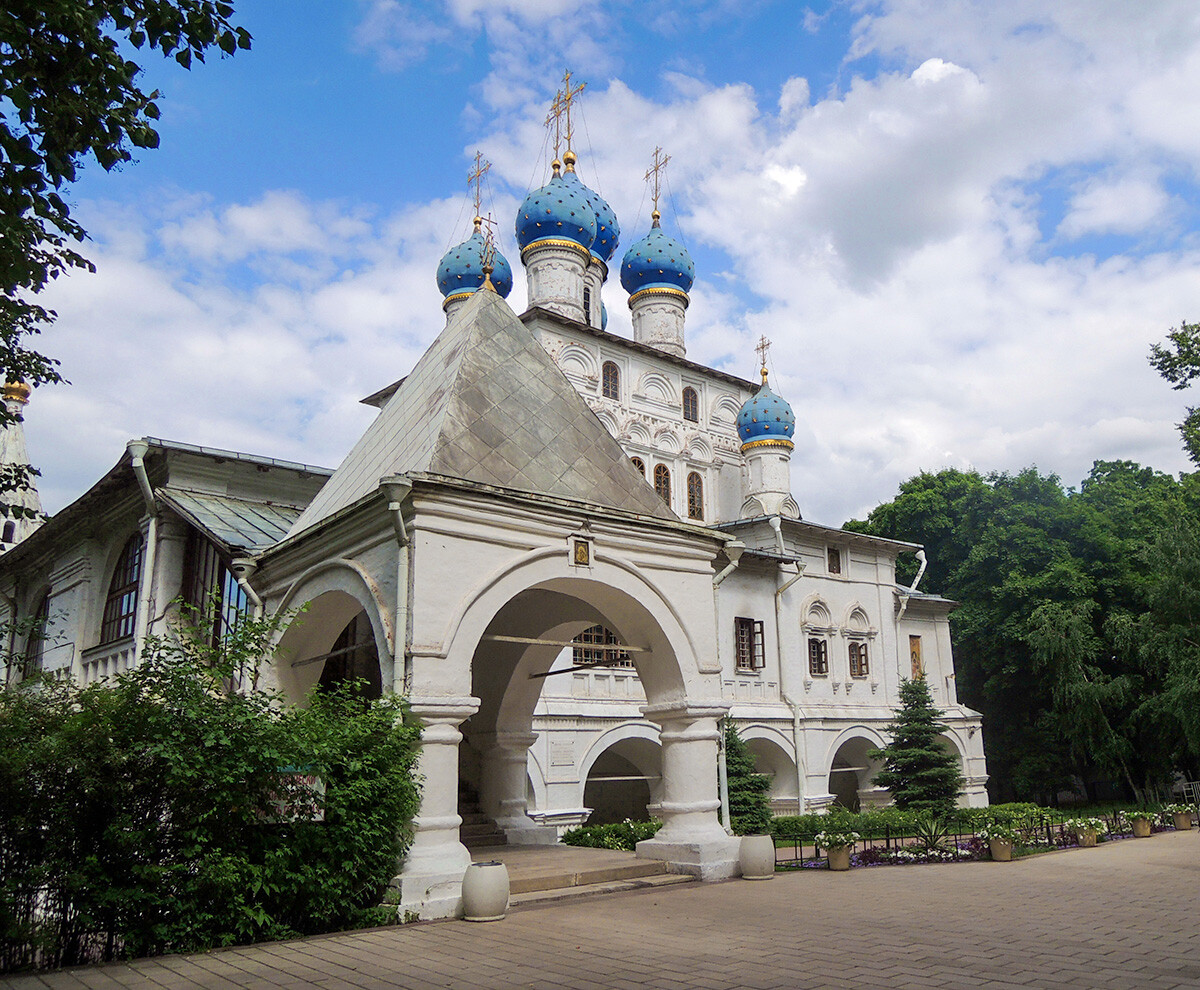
608,231
657,262
603,316
559,210
766,419
460,271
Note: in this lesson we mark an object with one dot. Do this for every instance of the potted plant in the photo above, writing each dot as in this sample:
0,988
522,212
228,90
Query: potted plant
1087,830
1181,813
837,844
1139,821
1000,839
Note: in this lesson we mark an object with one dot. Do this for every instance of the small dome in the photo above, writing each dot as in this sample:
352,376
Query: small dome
766,416
461,268
657,261
560,209
608,231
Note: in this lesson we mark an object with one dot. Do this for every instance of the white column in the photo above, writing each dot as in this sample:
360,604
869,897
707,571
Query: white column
657,316
502,790
554,270
692,839
430,880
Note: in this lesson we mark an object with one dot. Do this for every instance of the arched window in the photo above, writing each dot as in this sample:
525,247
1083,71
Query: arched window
611,380
10,532
640,465
691,405
120,607
35,648
662,482
695,485
210,588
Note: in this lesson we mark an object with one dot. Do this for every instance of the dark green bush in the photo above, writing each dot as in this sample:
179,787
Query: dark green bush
143,816
619,835
749,807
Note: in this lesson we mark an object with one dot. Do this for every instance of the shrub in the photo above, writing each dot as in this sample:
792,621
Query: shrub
919,773
618,835
149,814
749,808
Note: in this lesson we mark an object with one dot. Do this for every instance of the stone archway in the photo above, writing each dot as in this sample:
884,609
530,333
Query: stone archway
851,771
773,759
623,781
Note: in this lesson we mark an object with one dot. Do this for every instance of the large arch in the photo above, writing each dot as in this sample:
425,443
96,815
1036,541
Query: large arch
622,775
851,770
772,752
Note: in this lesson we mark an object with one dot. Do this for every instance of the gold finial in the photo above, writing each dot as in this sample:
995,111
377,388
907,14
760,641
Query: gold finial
654,176
475,179
560,117
488,259
762,347
17,391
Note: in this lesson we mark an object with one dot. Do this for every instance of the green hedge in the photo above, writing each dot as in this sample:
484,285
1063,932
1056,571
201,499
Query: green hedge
619,835
142,816
877,823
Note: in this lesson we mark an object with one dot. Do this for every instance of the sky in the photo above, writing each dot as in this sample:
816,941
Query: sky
961,225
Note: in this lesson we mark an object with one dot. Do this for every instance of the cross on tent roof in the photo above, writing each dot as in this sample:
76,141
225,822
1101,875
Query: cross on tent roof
654,174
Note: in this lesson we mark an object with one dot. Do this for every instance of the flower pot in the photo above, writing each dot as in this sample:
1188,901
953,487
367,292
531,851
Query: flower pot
1086,837
757,857
485,891
1183,820
1141,828
1001,850
839,857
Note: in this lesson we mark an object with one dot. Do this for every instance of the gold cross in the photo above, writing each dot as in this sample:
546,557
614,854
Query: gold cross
762,347
560,112
475,178
489,247
654,173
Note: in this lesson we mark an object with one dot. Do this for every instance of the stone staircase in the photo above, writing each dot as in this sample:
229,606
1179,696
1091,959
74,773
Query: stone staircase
477,830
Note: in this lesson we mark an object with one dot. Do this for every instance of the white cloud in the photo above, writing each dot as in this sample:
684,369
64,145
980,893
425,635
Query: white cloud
1124,206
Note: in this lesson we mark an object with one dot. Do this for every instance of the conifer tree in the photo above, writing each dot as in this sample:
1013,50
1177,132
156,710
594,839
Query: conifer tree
749,810
920,774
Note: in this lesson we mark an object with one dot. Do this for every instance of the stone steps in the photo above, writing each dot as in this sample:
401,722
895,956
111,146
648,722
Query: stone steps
597,889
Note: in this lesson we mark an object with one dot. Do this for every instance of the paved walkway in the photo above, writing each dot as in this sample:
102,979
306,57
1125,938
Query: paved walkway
1123,915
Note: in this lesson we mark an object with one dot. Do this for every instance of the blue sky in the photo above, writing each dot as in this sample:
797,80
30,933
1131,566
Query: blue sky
961,224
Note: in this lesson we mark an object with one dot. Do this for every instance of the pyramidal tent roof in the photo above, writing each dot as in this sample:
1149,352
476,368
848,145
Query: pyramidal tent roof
487,404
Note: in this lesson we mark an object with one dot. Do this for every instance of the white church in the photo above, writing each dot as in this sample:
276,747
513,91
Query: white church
575,553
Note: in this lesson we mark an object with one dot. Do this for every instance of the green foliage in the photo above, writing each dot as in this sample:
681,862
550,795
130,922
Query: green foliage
921,775
150,814
617,835
749,807
1179,363
69,94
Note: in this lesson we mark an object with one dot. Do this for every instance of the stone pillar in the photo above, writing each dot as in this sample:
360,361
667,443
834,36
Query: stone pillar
554,271
692,839
657,314
453,303
167,582
502,787
430,880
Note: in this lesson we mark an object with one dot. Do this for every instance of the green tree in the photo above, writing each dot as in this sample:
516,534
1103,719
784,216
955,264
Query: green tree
68,95
1178,361
749,807
919,772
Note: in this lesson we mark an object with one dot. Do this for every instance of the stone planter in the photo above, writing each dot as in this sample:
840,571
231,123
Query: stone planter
485,891
1086,837
1183,820
1141,828
1001,850
839,857
757,857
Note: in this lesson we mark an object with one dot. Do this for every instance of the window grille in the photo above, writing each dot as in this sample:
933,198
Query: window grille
835,561
210,588
691,405
35,648
610,376
859,666
818,657
695,486
587,305
662,482
640,465
595,649
748,644
120,607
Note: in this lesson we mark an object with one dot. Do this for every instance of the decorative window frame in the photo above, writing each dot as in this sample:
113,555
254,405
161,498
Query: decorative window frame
692,393
604,366
749,645
857,631
818,626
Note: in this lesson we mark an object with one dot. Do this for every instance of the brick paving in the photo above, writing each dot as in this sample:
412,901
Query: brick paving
1125,916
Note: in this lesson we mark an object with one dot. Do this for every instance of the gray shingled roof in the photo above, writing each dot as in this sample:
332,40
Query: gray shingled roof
237,523
488,405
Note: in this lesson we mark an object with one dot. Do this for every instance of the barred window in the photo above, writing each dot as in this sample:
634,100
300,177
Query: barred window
818,657
640,465
748,644
120,607
695,485
859,667
662,482
210,588
610,376
691,405
596,649
35,648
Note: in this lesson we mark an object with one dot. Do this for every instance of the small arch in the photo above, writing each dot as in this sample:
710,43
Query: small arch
816,615
611,380
639,464
638,433
856,620
120,604
695,496
699,448
609,421
622,775
656,386
725,409
851,769
577,362
691,405
662,482
667,441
